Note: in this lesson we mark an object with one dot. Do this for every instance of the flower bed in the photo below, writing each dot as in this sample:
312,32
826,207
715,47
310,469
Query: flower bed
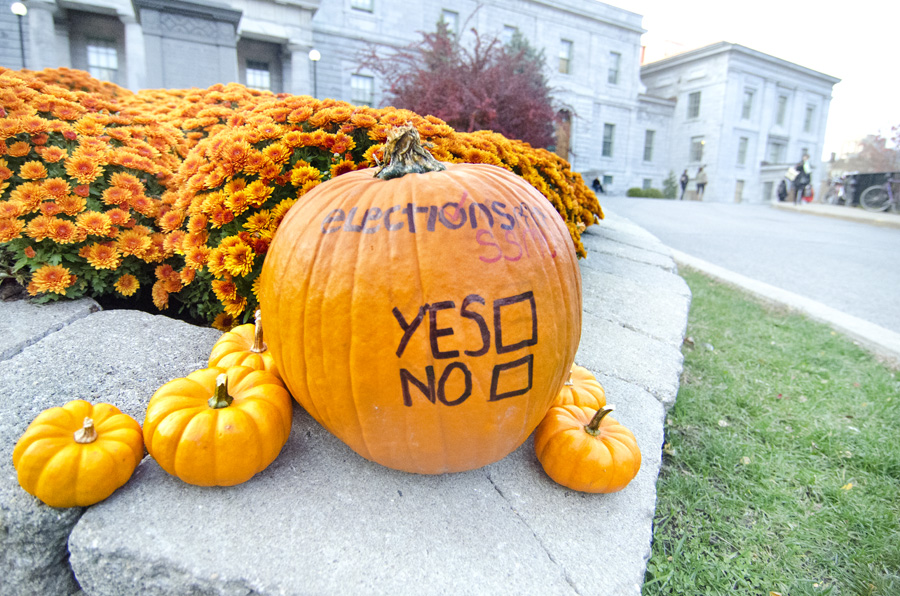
179,192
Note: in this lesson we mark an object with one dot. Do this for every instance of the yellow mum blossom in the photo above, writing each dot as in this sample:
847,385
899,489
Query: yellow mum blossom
51,278
127,285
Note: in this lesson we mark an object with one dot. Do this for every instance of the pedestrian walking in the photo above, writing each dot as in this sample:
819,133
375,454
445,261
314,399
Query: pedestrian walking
597,186
684,182
701,183
802,179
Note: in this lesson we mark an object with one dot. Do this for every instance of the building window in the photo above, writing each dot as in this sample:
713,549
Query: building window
615,61
609,132
366,5
102,59
607,182
743,142
647,183
258,75
565,56
508,33
782,110
697,144
362,90
648,144
747,107
768,187
694,105
451,18
776,151
810,116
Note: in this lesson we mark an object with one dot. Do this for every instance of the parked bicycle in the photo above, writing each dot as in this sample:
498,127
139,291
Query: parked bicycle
840,191
880,197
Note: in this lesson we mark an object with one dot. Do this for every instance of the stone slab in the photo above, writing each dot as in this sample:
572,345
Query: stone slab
322,520
23,323
119,357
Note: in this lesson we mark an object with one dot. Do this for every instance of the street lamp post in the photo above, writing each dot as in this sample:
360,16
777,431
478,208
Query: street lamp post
315,56
20,10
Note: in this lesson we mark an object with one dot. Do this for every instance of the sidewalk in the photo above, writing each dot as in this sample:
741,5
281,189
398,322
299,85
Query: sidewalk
889,219
320,519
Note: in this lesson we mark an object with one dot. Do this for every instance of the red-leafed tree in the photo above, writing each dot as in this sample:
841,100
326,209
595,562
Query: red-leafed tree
487,86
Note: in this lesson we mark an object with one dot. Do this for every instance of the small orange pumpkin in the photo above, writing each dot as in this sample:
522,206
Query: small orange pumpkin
243,346
78,454
581,389
586,450
218,427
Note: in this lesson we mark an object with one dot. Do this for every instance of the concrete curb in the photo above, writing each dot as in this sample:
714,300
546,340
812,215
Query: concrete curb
885,344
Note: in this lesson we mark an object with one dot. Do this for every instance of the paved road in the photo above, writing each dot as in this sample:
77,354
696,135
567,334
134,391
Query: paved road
847,265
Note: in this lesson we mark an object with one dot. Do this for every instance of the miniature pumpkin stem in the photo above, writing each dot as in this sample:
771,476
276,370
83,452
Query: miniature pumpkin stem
220,398
593,427
569,382
405,153
87,433
259,345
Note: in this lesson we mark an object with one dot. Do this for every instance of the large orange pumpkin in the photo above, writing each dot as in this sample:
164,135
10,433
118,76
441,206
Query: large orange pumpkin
427,315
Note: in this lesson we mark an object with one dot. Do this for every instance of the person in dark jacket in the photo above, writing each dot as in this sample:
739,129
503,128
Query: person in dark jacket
804,171
684,182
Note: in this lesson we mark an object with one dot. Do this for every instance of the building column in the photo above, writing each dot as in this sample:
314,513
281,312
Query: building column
135,53
40,37
301,78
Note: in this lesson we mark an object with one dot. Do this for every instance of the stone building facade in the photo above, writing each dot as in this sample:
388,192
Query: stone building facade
743,115
618,129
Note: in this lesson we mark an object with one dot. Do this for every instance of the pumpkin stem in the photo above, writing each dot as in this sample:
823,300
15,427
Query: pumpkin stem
405,153
569,382
593,427
87,433
259,345
220,398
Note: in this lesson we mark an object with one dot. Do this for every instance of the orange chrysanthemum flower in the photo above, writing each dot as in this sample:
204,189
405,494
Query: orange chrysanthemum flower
72,204
127,181
38,228
196,257
89,126
127,285
239,259
83,169
303,174
94,223
50,208
215,262
63,231
118,217
101,255
144,205
234,185
10,229
224,289
32,170
9,209
160,295
235,307
259,192
56,187
116,195
51,278
133,242
237,203
342,167
224,322
19,149
257,222
171,220
187,275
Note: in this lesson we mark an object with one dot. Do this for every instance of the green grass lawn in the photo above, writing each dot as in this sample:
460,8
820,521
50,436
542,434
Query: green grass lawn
781,468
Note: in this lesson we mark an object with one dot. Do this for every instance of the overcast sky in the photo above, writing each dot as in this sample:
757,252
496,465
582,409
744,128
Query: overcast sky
858,43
